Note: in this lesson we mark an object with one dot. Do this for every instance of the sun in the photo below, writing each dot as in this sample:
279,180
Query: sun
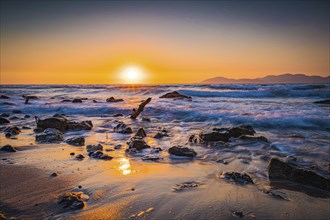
132,74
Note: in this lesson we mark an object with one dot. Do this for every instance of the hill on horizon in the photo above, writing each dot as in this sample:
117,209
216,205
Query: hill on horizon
271,79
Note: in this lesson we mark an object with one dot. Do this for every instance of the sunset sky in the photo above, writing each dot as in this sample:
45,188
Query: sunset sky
167,41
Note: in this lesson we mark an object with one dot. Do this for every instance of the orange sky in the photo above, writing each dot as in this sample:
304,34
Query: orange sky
92,49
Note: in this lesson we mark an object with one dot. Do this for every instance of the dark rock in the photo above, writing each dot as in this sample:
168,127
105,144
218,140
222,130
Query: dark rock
4,97
26,128
59,123
281,170
194,138
151,157
146,119
73,200
184,186
253,138
182,151
8,148
4,115
38,130
14,118
11,131
72,154
76,141
327,101
118,115
8,103
80,157
92,148
59,115
49,135
136,112
27,116
17,111
66,100
155,150
53,175
29,96
137,143
112,99
141,133
176,95
238,214
123,129
241,130
77,101
160,134
118,146
84,125
4,121
94,101
215,136
241,178
99,155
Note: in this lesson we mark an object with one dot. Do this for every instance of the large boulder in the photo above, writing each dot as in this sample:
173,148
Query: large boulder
327,101
182,151
141,133
8,148
282,170
73,200
4,121
236,177
112,99
4,97
49,135
241,130
76,141
137,143
215,136
123,129
11,131
253,138
59,123
176,95
84,125
99,155
92,148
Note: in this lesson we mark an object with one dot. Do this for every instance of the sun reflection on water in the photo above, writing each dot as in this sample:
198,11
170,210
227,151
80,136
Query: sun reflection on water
124,166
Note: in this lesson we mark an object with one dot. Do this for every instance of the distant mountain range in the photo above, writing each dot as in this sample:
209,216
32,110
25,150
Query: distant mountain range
271,79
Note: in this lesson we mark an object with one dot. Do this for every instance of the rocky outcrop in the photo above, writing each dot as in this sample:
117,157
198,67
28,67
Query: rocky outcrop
282,170
92,148
162,133
11,131
77,101
137,143
99,155
175,95
76,141
118,115
8,148
182,151
112,99
63,124
141,133
123,129
59,123
241,178
84,125
73,200
4,121
241,130
4,97
327,101
253,138
49,135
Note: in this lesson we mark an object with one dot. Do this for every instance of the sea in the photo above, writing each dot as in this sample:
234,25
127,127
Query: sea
284,113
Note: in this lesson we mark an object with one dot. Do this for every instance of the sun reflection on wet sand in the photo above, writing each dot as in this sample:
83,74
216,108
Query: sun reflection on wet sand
125,166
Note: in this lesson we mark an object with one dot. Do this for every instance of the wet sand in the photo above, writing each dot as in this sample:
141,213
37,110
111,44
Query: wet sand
126,188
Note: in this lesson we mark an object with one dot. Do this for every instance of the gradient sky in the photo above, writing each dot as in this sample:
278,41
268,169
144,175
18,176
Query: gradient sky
174,41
